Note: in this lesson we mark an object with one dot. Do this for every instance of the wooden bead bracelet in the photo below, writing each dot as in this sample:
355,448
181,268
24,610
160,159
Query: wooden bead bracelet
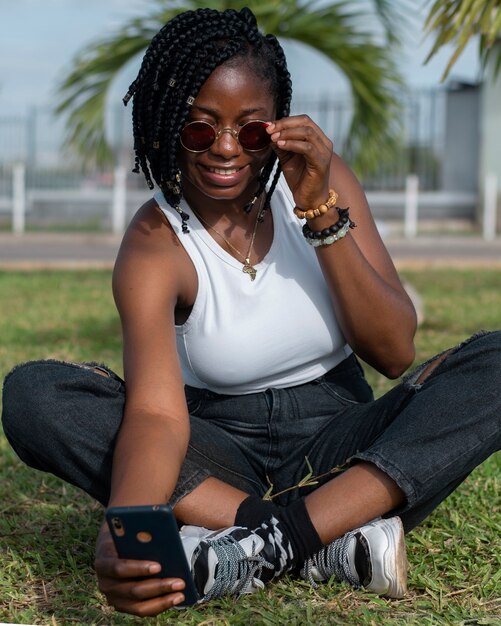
321,210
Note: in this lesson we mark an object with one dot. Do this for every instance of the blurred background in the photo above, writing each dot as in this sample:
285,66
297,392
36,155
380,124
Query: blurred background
427,150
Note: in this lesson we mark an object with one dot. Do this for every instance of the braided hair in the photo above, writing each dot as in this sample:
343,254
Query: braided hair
178,61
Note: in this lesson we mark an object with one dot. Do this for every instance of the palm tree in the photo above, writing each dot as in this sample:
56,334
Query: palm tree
457,21
333,28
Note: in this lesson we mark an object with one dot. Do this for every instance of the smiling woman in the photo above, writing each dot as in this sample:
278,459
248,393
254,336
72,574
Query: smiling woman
242,325
228,167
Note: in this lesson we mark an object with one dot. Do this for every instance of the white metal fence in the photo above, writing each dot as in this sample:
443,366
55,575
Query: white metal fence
42,188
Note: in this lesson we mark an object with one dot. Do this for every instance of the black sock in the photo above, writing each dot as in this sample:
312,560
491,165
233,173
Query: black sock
294,522
254,510
300,531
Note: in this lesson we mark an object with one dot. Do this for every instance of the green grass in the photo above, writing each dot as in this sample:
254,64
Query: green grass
48,529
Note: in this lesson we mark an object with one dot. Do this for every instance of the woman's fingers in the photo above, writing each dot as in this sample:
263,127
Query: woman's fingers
301,139
135,590
136,600
301,128
305,147
305,155
292,121
148,596
113,567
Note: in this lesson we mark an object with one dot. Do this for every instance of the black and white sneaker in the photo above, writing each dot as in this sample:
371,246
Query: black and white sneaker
235,560
372,557
277,549
225,562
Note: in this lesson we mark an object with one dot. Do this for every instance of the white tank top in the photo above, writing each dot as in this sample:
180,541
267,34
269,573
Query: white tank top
246,336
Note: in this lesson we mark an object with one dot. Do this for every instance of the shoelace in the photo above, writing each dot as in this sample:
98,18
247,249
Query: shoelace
235,569
332,560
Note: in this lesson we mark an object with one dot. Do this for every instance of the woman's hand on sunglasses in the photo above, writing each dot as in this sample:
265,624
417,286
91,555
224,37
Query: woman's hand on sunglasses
305,154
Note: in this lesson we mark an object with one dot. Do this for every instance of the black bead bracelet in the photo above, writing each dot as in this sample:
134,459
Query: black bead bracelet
344,218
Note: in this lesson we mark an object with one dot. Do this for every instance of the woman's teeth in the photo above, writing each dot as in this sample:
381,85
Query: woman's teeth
225,172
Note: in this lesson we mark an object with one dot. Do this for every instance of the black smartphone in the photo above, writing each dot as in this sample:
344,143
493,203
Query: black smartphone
150,533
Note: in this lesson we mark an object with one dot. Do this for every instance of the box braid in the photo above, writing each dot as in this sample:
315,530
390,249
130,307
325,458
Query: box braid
178,61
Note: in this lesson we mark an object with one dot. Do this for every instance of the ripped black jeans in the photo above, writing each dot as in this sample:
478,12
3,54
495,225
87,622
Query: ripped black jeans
63,418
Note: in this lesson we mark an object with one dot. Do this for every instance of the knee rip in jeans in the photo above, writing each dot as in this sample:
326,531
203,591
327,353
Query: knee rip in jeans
92,366
101,371
431,365
416,378
97,368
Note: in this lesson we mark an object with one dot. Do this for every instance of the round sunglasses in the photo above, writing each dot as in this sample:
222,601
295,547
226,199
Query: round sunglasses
199,136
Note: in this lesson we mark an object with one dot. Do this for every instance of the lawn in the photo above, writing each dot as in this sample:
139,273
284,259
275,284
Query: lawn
48,529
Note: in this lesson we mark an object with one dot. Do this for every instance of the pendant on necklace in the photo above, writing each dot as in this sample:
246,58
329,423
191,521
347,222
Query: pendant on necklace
248,269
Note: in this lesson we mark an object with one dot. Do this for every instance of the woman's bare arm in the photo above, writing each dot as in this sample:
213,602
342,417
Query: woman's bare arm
373,309
153,438
376,314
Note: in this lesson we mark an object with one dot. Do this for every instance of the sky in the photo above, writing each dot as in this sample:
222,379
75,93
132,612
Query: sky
38,39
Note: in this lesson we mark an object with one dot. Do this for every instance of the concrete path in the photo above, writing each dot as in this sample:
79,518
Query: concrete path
50,250
47,250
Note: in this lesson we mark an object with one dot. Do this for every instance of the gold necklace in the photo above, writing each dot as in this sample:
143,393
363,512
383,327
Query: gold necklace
247,268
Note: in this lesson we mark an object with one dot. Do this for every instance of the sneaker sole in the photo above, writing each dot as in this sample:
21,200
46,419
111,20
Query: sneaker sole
395,531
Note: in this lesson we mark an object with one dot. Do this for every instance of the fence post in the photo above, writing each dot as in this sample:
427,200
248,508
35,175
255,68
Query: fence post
490,207
18,198
411,205
119,199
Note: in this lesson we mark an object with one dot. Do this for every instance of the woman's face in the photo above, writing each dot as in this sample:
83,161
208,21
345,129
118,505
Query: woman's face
231,96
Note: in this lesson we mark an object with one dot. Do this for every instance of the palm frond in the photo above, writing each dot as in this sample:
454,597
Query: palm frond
395,18
83,92
457,21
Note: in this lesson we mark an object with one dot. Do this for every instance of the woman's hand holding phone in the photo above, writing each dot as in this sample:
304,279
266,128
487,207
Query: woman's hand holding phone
128,584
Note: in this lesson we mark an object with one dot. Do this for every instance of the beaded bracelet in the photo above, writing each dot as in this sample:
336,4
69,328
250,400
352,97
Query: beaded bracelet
322,208
332,233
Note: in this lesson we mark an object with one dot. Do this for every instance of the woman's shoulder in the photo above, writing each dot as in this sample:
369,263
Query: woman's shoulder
149,232
150,255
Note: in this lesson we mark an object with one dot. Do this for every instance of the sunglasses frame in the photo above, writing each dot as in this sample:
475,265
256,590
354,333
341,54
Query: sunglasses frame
218,133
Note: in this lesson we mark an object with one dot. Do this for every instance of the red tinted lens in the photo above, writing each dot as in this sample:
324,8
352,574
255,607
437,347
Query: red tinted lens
253,136
198,136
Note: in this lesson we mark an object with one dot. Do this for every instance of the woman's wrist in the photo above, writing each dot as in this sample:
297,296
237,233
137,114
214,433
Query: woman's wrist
326,235
320,209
